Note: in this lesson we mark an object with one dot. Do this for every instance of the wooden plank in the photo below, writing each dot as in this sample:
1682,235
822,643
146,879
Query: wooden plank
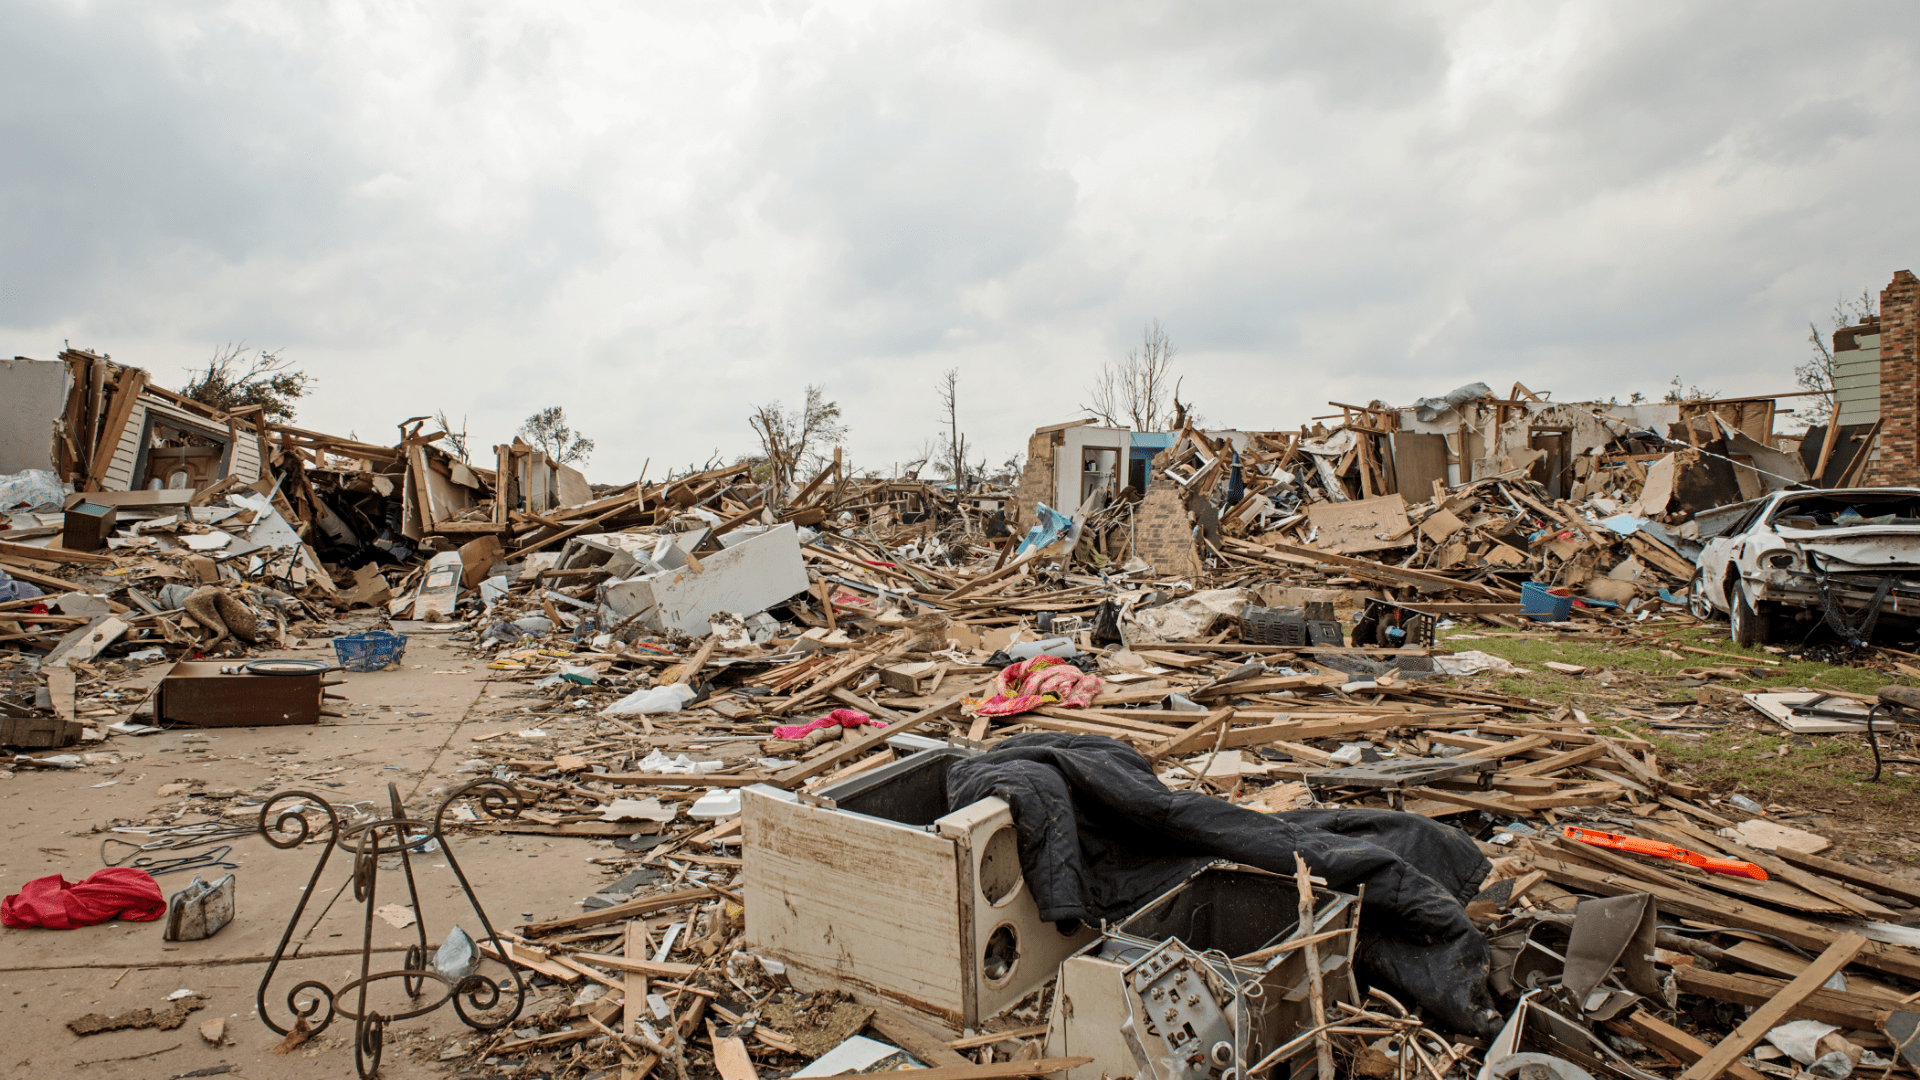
661,968
991,1037
1778,1008
633,1009
1193,738
912,1036
60,690
1557,762
1779,963
536,545
1515,748
1840,1008
1885,884
1001,1070
54,554
806,770
1301,730
730,1057
1119,720
620,912
1663,1036
1725,911
720,780
532,960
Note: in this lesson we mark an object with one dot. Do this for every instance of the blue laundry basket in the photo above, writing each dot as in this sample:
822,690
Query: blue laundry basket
369,651
1537,603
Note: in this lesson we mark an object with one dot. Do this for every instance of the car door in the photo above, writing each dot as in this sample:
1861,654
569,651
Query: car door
1717,558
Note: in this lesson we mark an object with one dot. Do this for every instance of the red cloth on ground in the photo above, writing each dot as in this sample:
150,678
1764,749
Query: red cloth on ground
837,718
113,893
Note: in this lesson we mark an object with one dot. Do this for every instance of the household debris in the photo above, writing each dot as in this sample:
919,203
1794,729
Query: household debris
844,749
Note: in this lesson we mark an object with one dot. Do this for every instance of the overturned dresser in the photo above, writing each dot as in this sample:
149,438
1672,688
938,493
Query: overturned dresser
871,885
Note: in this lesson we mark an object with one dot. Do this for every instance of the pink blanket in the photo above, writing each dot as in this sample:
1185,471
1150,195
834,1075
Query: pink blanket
1029,684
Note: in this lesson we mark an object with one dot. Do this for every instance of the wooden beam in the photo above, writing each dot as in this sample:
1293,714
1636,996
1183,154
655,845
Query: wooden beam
1194,737
624,507
621,912
1873,880
1854,1012
1768,1016
54,554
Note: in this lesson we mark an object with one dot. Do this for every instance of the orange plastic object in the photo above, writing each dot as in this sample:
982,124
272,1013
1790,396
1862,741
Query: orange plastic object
1659,850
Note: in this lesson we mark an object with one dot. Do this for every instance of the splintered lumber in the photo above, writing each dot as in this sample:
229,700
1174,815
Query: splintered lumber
1885,884
1300,730
660,968
1001,1070
55,554
807,770
620,912
1365,568
991,1037
730,1057
1194,737
1558,761
1725,911
910,1035
1778,1008
721,780
1663,1036
1855,1012
633,1008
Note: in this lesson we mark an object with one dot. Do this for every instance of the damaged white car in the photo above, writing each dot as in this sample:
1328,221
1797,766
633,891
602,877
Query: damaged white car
1848,557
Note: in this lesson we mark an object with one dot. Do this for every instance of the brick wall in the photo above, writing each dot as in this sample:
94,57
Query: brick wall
1163,529
1036,478
1899,461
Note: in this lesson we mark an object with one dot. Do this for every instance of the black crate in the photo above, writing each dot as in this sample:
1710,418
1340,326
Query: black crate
1273,626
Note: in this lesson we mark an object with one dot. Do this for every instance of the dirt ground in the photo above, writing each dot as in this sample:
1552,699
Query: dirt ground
409,727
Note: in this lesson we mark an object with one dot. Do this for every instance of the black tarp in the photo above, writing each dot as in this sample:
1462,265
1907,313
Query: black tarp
1100,836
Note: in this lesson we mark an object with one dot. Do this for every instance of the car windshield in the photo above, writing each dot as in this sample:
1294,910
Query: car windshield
1843,510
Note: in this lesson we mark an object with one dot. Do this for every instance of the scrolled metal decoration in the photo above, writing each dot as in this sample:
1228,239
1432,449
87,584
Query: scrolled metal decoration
475,997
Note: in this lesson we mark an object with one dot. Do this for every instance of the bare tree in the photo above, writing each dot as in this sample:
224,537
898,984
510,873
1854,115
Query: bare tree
1677,392
233,380
1818,372
548,431
1137,392
955,447
456,440
792,441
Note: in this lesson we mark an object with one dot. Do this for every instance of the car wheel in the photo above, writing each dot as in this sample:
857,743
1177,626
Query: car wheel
1750,624
1697,603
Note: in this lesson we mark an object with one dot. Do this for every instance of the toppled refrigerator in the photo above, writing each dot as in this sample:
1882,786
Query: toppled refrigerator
1201,983
870,885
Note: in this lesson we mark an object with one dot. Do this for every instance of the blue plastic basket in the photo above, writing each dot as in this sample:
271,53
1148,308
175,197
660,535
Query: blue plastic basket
369,651
1537,603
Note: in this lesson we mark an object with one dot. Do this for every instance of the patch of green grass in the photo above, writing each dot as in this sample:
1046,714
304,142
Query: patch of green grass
1635,663
1819,772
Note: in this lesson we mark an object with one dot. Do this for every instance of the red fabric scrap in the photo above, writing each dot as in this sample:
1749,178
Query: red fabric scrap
837,718
113,893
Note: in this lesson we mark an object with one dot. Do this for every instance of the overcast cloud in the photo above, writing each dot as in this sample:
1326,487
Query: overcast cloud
659,215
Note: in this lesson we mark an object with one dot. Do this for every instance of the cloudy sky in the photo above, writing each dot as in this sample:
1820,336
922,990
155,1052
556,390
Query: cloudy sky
659,215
